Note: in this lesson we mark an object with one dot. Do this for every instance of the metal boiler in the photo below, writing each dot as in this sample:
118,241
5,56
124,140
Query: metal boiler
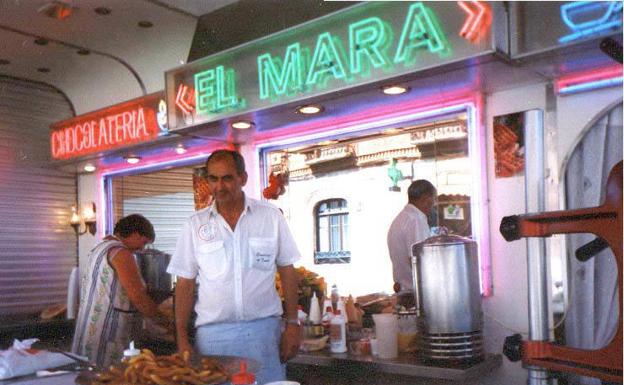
445,270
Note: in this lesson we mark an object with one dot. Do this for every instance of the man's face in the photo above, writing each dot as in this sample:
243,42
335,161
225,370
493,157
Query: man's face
430,201
225,183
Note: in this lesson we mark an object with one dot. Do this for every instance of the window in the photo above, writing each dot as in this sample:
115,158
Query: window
332,225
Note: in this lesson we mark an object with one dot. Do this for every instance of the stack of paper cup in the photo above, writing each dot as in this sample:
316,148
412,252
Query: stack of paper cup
386,331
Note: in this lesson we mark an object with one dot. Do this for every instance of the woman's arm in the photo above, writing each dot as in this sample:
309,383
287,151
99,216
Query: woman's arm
128,273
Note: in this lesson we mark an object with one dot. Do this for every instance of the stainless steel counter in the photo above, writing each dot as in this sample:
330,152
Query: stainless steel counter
327,368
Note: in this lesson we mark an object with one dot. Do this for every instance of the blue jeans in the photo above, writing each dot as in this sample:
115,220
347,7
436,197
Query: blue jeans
258,339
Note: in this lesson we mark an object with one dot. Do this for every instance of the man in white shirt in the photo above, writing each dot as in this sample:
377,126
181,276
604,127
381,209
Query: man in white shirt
410,226
233,249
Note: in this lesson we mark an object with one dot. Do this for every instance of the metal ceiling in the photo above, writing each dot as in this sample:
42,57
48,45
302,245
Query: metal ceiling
124,60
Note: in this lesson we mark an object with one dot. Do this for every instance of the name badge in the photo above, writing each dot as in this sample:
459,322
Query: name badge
207,232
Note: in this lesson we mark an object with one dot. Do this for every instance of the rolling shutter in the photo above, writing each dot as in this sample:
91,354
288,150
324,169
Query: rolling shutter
163,197
38,248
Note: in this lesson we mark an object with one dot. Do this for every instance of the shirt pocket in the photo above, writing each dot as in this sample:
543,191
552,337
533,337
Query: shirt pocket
262,253
212,260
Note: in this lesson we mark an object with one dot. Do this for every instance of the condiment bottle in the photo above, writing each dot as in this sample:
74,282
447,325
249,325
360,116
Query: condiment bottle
334,296
340,305
243,377
326,320
315,310
338,334
130,352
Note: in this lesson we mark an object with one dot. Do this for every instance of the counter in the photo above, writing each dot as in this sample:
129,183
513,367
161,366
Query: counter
345,368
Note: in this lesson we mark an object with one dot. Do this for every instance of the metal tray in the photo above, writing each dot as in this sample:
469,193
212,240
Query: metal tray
231,365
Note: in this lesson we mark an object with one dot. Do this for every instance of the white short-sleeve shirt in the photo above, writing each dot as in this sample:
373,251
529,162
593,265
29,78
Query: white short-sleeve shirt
410,226
236,269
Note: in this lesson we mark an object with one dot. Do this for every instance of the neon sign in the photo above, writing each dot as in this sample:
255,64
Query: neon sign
478,20
358,45
124,124
586,81
589,18
185,99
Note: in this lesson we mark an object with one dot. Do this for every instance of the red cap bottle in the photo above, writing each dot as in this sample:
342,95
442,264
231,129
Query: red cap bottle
243,377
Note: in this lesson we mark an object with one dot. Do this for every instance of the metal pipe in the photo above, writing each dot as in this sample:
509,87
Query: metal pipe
537,267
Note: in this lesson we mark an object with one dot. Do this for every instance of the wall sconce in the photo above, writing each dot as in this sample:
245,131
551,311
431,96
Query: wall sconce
88,216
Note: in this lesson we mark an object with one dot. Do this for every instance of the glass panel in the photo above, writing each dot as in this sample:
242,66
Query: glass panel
345,231
335,233
323,234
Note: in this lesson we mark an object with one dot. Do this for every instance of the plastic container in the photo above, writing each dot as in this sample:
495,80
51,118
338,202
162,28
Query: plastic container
243,377
407,332
340,305
335,296
326,319
315,310
130,352
338,333
386,330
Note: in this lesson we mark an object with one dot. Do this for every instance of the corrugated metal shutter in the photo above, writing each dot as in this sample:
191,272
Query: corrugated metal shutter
163,197
38,248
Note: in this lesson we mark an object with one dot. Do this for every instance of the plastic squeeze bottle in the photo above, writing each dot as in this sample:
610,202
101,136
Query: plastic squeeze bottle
338,334
130,352
243,377
315,310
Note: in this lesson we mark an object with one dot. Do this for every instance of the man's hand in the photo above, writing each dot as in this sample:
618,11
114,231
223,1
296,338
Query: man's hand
184,346
291,339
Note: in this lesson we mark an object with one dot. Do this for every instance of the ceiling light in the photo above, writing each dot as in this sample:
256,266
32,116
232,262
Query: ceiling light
56,10
310,109
102,11
132,159
89,167
242,125
145,24
327,142
44,70
394,90
391,131
41,41
180,149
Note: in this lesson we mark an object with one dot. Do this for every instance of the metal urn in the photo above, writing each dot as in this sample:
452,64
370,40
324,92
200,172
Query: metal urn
445,270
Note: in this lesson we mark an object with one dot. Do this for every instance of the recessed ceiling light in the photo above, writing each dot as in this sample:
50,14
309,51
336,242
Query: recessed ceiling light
89,167
4,62
103,11
132,159
328,142
44,70
394,90
180,149
242,125
391,131
41,41
145,24
83,51
310,109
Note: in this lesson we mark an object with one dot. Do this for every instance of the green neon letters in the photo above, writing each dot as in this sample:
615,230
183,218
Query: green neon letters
277,77
371,47
215,90
368,41
419,30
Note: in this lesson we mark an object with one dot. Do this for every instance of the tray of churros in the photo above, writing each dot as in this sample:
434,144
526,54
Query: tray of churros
175,369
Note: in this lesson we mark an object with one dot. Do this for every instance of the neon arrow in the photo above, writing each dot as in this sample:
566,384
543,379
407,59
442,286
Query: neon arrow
478,20
185,100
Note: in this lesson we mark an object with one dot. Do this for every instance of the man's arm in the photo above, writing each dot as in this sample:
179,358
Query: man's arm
184,301
291,338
